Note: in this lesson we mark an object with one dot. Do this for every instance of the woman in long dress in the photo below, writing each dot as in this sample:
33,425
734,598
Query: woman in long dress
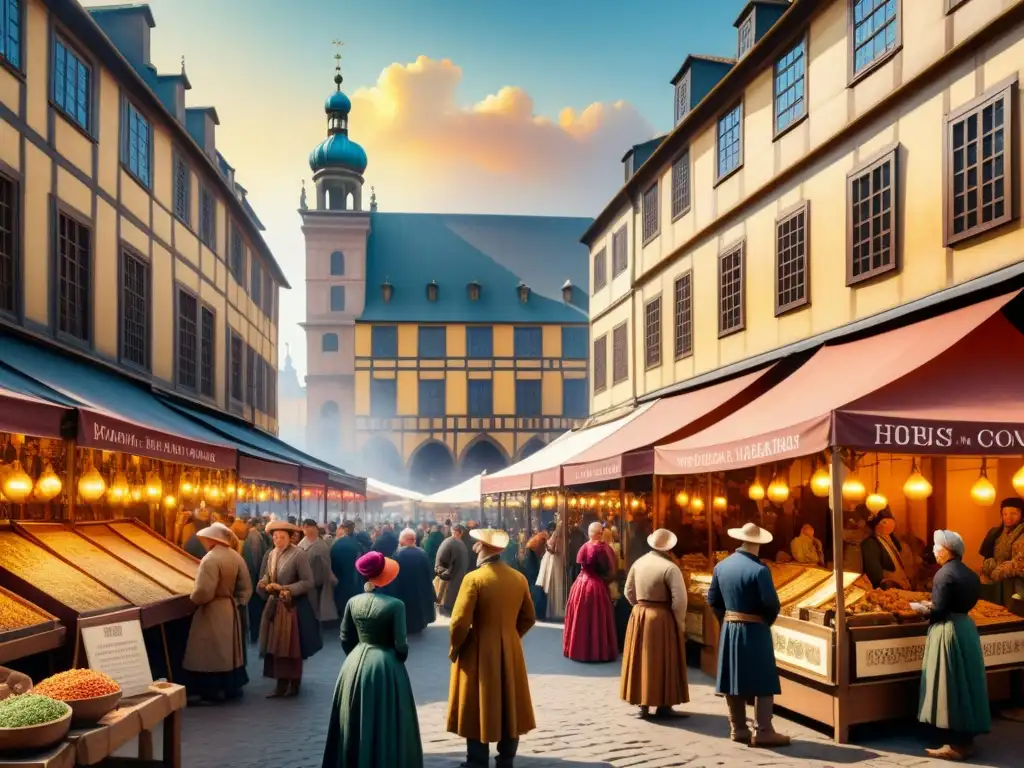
289,629
535,549
589,620
214,662
373,719
954,691
552,574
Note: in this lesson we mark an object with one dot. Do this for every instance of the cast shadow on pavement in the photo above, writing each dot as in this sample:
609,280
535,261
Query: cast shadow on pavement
453,759
704,725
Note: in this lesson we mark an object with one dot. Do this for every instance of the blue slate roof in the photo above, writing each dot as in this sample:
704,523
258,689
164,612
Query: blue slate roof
409,250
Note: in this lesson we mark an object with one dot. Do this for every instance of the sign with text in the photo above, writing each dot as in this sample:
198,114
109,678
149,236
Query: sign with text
905,655
801,650
118,651
872,432
111,434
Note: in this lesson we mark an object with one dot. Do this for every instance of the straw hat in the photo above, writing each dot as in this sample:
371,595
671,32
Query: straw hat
662,540
751,533
282,525
219,533
377,569
492,537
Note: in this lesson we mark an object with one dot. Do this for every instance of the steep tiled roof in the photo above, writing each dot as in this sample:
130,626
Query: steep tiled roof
409,250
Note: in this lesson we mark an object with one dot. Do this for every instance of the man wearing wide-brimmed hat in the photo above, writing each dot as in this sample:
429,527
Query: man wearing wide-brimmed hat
743,597
654,655
489,697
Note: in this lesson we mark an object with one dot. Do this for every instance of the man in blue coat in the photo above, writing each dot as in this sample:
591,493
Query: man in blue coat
743,597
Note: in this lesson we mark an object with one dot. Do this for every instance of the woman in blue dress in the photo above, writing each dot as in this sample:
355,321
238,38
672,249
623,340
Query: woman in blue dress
373,719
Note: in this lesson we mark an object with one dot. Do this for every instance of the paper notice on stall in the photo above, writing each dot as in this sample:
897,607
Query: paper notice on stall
118,651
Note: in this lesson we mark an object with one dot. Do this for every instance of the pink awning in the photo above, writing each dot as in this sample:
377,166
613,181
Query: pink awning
952,384
629,451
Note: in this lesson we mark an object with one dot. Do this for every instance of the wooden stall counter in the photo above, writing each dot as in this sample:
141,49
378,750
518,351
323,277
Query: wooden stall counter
60,756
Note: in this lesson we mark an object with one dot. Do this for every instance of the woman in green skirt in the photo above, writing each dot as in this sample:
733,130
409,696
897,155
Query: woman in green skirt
373,719
954,692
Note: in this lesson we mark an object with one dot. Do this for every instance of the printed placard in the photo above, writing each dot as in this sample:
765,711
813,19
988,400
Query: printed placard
801,650
905,655
118,651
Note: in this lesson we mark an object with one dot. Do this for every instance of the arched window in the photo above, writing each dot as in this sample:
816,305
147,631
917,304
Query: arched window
329,343
337,263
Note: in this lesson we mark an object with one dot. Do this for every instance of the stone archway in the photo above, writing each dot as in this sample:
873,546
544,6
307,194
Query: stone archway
381,460
482,455
531,446
431,468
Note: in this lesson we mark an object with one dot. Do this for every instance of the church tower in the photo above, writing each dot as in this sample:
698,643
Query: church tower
336,232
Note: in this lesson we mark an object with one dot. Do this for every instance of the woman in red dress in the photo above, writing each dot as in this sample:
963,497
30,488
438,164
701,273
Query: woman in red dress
589,618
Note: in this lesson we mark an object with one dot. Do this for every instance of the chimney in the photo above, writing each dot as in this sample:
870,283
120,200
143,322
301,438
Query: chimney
201,124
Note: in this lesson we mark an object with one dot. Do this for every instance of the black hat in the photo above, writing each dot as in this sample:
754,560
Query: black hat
1013,503
884,514
310,521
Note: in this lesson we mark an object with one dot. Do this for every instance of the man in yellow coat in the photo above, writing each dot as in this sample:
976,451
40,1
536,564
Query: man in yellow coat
489,698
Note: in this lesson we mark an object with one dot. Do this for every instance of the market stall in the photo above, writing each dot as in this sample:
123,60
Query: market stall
921,423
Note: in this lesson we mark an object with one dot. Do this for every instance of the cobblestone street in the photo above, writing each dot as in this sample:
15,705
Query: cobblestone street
581,722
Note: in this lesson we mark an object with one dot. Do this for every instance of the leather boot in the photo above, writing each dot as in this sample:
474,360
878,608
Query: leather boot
739,731
279,690
766,735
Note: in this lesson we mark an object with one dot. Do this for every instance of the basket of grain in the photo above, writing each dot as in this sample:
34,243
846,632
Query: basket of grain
30,721
89,693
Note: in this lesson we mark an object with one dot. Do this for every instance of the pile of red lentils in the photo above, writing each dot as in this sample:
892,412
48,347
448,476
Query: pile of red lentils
76,684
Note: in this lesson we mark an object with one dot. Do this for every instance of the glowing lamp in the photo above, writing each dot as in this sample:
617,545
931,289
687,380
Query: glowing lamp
592,502
262,496
213,494
876,502
983,493
136,493
534,502
573,502
91,486
853,488
821,482
696,504
778,491
1018,482
186,487
756,491
682,498
170,502
229,489
634,503
154,487
49,485
917,487
548,501
601,503
719,504
17,485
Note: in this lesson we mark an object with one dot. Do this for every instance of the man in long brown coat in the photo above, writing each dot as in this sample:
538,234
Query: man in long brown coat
489,698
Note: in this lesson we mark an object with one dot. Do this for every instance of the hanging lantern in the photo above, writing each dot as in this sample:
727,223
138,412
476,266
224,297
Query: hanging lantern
229,490
548,501
917,487
821,482
1018,482
170,502
186,487
778,491
262,495
573,502
601,502
91,486
756,491
49,485
876,502
853,488
682,499
154,487
136,493
983,492
213,494
17,485
719,504
535,502
592,502
696,504
634,503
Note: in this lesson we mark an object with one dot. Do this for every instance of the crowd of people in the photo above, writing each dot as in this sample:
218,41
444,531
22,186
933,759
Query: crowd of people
278,584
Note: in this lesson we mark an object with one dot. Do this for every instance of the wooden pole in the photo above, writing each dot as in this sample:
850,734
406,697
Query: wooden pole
709,518
841,668
71,482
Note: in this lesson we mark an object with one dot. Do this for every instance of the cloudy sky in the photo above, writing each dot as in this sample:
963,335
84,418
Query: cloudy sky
467,106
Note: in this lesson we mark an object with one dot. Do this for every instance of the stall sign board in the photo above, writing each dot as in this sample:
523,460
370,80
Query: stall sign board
118,651
905,655
802,651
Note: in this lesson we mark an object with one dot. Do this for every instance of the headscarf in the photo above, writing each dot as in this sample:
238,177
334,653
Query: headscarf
950,540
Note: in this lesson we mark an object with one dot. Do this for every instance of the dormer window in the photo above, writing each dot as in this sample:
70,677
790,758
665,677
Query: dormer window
567,291
627,166
473,290
682,97
386,290
524,292
432,290
746,41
